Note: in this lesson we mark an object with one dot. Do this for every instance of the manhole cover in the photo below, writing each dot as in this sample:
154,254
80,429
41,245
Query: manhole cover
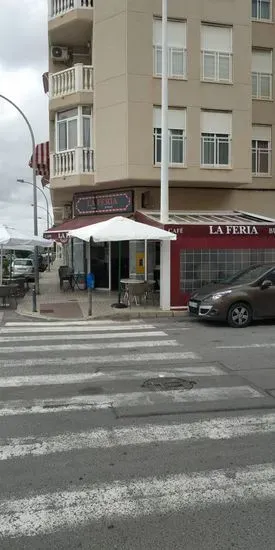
166,384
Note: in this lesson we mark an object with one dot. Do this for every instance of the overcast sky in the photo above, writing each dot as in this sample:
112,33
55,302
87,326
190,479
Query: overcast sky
23,60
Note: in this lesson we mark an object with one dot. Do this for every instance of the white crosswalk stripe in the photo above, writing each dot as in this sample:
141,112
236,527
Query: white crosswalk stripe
216,429
45,513
55,358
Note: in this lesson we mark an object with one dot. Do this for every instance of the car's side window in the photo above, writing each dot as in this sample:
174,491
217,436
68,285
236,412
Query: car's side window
271,277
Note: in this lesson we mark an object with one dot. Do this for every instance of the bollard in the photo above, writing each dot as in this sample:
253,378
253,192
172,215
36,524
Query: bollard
34,308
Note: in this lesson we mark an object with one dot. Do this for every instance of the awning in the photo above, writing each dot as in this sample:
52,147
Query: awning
59,233
42,155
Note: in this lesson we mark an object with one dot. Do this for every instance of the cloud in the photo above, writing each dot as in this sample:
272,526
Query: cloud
23,59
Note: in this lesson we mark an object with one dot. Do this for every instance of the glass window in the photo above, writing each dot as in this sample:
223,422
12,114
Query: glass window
261,9
199,267
215,149
261,157
176,146
67,129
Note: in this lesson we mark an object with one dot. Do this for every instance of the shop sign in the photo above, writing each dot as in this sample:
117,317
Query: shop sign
60,237
176,230
233,230
105,203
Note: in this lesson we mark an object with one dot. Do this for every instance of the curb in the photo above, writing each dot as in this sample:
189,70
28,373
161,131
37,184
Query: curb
121,316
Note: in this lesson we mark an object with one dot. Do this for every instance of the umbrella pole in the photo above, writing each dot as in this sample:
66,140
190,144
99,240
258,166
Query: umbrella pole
119,271
119,304
1,265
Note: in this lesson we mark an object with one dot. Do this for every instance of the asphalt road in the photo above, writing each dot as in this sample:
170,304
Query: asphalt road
93,456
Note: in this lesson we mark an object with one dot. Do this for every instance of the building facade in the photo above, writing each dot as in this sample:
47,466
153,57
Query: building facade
105,98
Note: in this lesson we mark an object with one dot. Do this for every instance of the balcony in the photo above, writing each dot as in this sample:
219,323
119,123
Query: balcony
70,22
78,78
72,163
61,7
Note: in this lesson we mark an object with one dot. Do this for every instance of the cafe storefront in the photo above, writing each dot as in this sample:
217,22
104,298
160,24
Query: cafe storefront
212,246
98,258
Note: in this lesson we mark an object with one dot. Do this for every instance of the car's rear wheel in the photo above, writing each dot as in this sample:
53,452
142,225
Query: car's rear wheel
239,315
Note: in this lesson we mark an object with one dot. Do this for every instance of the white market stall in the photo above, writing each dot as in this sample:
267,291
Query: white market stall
12,239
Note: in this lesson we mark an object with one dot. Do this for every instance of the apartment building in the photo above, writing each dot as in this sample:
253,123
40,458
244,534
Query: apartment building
105,97
105,106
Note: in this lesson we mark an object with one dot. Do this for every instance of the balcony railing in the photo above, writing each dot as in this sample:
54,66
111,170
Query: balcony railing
75,162
60,7
78,78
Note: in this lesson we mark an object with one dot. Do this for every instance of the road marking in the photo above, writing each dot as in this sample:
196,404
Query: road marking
143,497
99,359
124,400
247,346
56,379
70,337
101,328
88,347
67,323
214,429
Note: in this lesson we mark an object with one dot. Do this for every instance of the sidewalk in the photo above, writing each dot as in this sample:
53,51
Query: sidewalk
53,303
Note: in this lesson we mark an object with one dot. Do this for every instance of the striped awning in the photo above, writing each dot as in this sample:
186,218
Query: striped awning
42,162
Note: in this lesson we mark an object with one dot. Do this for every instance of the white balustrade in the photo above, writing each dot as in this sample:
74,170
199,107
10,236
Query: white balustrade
60,7
74,162
78,78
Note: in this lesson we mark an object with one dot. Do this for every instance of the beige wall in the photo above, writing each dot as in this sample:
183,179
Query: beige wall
145,91
126,91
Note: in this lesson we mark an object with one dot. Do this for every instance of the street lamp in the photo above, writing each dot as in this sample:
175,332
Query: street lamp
165,265
19,180
49,217
35,222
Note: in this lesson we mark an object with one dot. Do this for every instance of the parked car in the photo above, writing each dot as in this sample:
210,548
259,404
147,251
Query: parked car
23,266
247,296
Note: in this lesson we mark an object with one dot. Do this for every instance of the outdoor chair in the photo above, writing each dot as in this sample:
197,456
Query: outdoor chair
136,293
66,274
149,291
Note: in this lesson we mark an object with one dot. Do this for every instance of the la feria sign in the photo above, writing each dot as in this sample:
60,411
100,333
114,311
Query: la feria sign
233,230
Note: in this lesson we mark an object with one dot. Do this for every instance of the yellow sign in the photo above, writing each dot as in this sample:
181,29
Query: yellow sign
140,263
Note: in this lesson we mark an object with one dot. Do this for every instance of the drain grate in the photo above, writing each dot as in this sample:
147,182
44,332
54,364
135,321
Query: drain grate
167,383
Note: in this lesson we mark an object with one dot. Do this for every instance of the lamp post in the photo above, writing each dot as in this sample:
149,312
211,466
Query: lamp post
165,267
19,180
49,218
35,222
44,195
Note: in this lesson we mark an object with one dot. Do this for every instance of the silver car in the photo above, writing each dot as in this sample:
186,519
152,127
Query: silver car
23,266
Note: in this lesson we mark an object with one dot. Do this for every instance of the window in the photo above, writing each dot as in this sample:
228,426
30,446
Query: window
67,125
261,10
176,48
262,74
261,150
176,135
216,132
216,53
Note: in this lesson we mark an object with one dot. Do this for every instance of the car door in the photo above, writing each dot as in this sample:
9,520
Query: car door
265,306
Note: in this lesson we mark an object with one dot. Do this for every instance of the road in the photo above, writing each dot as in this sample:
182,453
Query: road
100,449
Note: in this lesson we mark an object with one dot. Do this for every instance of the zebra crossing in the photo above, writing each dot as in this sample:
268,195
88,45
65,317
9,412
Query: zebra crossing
75,391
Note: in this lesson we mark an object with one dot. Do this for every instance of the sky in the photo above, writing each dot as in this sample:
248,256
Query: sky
23,60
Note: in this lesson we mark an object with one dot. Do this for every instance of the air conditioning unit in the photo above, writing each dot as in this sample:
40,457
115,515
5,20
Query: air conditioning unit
58,214
59,53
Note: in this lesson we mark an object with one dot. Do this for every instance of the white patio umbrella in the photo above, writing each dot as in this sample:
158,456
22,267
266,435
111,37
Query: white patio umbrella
10,238
121,229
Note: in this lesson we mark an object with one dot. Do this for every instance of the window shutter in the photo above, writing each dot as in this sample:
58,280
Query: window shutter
213,122
217,39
